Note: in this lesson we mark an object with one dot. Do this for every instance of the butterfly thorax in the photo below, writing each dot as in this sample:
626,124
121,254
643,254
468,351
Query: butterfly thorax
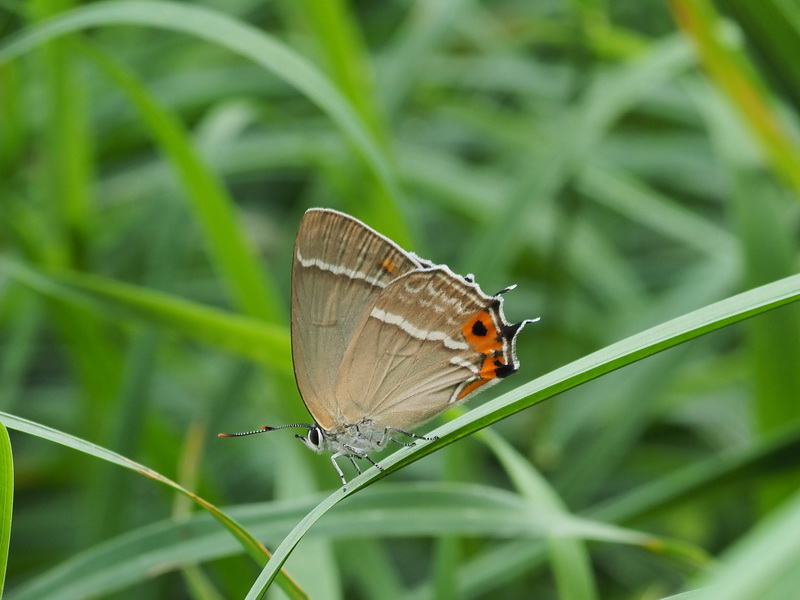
356,439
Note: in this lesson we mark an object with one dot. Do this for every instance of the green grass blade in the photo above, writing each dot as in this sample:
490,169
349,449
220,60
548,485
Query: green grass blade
404,510
215,209
343,52
632,199
6,501
12,136
251,545
734,472
569,558
447,550
637,347
20,343
771,26
245,336
580,129
368,562
238,37
200,585
736,77
68,152
766,555
769,247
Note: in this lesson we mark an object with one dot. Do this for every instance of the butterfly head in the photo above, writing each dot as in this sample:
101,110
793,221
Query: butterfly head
314,439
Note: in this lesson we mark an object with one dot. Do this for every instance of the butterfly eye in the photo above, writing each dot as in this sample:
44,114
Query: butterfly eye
315,437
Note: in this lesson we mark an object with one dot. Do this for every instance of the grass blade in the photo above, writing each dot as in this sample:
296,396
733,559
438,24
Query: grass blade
245,336
6,501
252,546
751,568
214,208
569,558
739,81
238,37
404,510
637,347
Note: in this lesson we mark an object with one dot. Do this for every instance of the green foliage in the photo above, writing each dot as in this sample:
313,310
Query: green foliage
6,501
633,168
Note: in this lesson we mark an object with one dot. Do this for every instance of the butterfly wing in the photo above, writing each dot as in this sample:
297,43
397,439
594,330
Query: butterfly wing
429,340
340,266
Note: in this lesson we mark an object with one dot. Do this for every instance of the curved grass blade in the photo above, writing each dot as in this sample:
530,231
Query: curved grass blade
569,558
761,559
402,510
718,476
639,346
245,336
252,292
729,68
6,501
252,546
238,37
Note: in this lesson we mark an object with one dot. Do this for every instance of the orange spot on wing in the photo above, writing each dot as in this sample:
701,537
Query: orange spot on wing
489,367
487,373
479,331
471,387
388,265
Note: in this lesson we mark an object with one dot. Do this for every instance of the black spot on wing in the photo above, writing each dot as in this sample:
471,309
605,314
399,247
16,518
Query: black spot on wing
479,328
504,370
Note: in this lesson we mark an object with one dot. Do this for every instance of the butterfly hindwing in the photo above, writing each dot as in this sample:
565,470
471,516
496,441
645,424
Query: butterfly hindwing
429,340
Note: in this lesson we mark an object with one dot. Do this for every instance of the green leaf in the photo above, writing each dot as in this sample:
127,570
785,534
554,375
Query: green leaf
238,37
731,70
637,347
245,336
408,509
254,548
569,558
214,208
764,557
6,501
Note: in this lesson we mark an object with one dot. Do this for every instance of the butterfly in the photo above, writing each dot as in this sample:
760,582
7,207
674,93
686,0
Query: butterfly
383,340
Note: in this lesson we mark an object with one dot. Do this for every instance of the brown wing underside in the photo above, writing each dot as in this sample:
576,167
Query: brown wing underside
430,339
340,266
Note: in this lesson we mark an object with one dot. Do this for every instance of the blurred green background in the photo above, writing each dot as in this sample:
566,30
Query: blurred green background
623,161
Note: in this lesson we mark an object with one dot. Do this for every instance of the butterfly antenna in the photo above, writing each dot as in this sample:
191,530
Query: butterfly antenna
264,429
505,290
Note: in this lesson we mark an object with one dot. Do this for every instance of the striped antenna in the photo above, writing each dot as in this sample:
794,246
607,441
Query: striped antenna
264,429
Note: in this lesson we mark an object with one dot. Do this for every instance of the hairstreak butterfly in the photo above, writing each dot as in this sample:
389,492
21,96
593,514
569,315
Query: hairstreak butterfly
383,340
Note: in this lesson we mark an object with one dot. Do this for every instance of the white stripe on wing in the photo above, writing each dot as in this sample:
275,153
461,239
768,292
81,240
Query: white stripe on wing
416,332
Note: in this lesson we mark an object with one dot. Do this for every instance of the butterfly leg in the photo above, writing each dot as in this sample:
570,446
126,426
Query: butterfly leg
374,464
409,434
361,454
338,469
406,444
350,456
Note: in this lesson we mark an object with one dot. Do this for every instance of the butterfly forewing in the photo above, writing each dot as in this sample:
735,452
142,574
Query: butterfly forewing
429,339
340,266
